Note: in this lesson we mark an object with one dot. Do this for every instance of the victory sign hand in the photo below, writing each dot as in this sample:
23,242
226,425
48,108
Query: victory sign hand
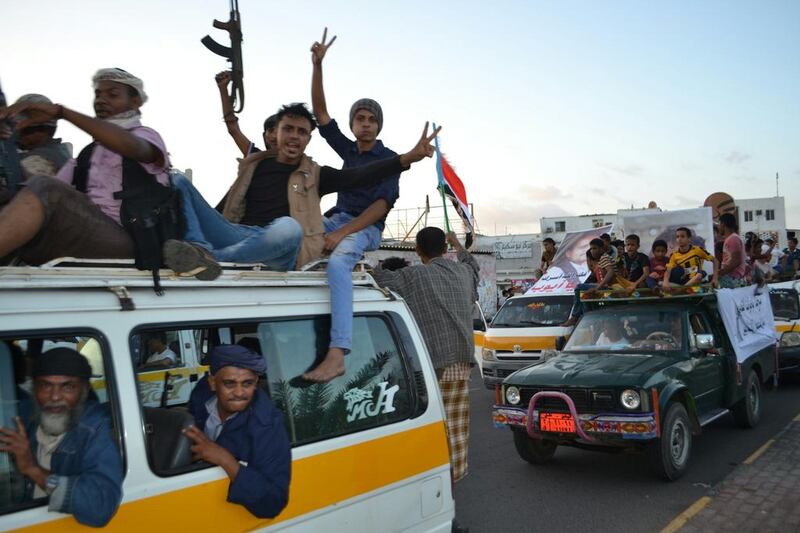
422,149
319,49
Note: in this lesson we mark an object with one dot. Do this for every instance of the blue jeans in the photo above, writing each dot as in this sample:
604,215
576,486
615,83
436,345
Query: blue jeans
340,275
275,245
577,305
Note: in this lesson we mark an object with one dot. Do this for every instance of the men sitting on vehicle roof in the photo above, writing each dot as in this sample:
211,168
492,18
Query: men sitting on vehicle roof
354,225
67,452
272,213
685,266
239,429
49,217
39,153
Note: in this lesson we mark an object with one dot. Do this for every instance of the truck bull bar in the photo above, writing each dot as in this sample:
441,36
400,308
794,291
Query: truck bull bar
572,411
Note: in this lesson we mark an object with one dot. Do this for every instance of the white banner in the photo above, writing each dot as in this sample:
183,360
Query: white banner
748,320
569,266
510,248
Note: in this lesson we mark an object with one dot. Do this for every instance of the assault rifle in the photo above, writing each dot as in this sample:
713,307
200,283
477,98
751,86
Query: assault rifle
10,171
232,53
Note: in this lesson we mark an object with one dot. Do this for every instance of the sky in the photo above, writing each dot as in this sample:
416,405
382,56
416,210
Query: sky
547,108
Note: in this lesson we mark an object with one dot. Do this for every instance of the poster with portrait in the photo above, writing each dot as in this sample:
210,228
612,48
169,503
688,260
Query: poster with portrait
569,266
651,227
654,226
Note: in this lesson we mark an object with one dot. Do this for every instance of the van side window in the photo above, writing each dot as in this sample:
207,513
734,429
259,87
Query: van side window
373,391
18,399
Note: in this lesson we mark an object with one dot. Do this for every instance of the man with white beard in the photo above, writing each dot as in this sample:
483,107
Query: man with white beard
67,452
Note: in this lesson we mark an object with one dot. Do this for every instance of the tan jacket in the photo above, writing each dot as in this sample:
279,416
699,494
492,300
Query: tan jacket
303,196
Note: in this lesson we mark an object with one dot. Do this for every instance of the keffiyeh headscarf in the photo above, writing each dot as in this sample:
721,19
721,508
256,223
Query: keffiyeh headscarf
120,76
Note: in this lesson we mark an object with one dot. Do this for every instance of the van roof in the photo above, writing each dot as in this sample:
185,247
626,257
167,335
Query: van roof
85,273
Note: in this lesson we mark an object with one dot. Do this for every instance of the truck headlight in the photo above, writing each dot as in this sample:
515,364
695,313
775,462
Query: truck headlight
790,339
512,395
488,353
630,399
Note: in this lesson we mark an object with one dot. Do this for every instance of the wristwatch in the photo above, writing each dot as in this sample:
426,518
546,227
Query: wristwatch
51,484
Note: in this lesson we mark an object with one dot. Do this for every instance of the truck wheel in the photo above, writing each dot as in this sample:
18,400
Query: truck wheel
535,451
747,411
669,455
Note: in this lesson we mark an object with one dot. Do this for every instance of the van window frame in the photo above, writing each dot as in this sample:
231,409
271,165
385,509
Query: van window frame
409,360
114,401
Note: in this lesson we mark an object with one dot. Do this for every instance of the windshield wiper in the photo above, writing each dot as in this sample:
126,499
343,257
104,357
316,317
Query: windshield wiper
534,323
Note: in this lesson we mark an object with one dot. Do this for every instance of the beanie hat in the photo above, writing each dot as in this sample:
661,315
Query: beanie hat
370,105
62,362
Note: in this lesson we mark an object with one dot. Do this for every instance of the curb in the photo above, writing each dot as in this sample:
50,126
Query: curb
682,519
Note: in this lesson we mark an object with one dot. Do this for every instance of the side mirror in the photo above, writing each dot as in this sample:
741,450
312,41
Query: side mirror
560,342
478,325
704,341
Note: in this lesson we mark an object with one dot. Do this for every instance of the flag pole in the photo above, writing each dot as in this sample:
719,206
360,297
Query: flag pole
441,179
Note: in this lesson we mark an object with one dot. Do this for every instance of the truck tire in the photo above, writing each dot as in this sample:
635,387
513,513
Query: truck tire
747,411
535,451
669,455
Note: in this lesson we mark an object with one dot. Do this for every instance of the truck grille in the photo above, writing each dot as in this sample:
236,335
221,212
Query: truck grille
585,400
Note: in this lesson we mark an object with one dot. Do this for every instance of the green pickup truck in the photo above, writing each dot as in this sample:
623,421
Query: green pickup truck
637,373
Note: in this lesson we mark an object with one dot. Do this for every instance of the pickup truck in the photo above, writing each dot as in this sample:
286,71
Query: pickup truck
643,374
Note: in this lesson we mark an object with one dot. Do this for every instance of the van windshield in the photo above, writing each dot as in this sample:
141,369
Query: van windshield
785,304
533,311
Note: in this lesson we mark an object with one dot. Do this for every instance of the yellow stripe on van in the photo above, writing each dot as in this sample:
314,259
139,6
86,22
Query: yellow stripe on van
782,328
317,482
478,337
525,343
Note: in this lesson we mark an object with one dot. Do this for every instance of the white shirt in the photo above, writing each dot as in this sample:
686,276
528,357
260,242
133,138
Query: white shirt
166,354
602,340
47,444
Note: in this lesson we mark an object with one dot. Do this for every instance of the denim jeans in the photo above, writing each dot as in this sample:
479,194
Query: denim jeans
577,305
340,275
275,245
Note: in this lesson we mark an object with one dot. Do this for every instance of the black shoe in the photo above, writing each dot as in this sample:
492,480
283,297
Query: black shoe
457,528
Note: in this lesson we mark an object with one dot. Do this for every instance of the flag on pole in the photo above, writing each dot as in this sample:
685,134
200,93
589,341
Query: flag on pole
452,187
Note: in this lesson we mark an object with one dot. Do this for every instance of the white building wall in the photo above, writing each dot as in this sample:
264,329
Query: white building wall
754,213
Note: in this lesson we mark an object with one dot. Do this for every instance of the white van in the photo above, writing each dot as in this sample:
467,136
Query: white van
521,329
360,462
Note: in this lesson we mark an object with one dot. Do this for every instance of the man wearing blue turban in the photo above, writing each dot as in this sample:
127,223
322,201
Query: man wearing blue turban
239,429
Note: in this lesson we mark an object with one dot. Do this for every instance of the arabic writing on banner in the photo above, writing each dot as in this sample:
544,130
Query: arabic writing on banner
747,316
511,248
569,266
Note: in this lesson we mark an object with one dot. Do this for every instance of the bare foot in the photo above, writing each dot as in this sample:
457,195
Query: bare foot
331,367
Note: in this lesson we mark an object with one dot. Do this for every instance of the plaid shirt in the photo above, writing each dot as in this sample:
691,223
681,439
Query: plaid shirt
441,296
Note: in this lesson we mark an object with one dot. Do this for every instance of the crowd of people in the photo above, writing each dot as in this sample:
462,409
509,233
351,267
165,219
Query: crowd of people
619,265
83,207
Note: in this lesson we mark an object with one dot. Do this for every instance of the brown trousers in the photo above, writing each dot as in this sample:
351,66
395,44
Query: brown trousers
73,227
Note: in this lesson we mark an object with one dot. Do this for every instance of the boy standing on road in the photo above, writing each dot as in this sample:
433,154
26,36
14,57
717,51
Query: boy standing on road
355,224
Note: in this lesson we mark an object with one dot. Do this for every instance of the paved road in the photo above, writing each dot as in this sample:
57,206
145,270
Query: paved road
590,491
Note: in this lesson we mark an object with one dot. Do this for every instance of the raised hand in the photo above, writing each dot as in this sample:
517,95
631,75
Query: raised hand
319,49
453,241
35,113
223,79
422,149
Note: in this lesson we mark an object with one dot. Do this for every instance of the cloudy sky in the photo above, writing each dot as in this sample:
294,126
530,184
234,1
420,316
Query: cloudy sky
548,108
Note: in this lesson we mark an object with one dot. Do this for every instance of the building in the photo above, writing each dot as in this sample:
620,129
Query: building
518,257
557,227
766,217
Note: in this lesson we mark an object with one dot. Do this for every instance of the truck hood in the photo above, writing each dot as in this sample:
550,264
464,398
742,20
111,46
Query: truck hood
595,370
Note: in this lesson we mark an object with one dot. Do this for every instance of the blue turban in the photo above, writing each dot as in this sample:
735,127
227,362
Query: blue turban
238,356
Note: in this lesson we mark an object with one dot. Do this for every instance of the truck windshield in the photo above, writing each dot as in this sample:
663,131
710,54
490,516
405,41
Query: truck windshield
627,331
533,311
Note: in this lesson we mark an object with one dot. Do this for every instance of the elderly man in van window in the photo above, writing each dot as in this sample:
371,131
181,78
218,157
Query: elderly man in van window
67,452
239,429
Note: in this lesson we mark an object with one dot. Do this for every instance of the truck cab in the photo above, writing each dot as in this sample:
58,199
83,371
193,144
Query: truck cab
643,374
